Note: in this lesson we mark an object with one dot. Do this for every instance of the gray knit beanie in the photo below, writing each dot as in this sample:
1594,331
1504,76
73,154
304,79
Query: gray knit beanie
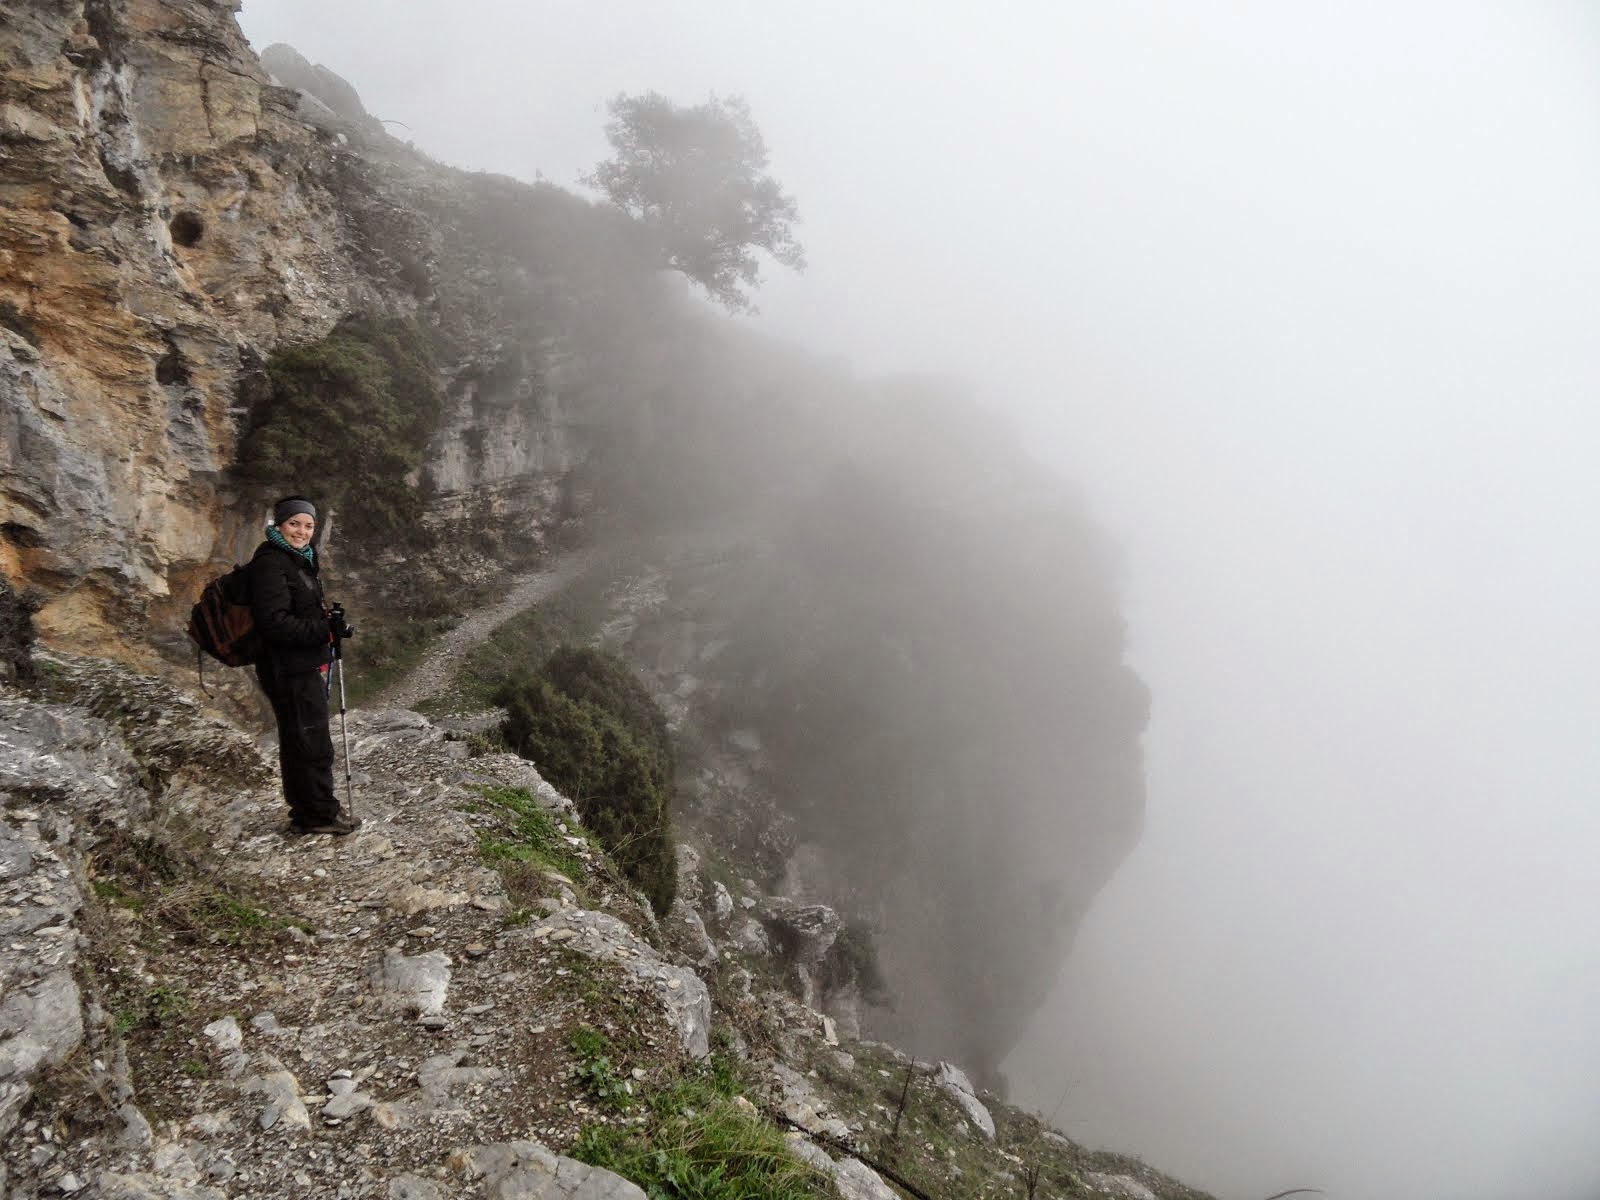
291,506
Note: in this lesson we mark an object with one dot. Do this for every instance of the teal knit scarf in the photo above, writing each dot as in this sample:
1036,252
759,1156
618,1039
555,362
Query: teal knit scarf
277,539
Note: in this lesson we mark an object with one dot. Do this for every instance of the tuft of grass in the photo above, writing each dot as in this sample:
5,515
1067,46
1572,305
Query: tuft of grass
596,1071
163,882
208,912
700,1140
111,892
157,1009
525,832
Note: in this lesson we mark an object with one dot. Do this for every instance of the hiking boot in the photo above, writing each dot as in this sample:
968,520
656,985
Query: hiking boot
339,826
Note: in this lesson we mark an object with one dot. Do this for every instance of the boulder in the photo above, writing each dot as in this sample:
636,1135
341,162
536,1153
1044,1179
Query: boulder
803,934
528,1171
682,995
956,1084
417,983
721,902
686,933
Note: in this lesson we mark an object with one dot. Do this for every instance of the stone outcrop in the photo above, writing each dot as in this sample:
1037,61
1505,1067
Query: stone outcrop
854,1179
954,1081
681,994
292,69
58,769
527,1171
805,933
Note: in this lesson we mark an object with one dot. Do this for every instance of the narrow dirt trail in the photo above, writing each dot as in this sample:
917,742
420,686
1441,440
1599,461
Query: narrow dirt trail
434,672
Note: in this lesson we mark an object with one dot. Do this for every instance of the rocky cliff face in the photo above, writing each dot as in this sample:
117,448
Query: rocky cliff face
891,640
172,215
164,223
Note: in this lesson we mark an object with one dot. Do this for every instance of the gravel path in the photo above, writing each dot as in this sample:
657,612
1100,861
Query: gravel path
433,673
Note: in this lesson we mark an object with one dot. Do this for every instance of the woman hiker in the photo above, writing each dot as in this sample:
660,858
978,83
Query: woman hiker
297,634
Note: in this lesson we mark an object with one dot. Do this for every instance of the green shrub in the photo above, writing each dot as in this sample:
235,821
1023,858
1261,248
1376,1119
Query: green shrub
604,680
349,420
595,734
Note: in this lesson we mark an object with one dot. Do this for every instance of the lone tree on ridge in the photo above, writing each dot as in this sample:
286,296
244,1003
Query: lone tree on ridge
696,177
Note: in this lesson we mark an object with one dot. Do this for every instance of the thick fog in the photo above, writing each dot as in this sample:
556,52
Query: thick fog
1305,297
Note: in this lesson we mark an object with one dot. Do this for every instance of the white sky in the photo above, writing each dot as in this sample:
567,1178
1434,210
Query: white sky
1305,296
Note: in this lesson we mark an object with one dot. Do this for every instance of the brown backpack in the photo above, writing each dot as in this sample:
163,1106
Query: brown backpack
221,624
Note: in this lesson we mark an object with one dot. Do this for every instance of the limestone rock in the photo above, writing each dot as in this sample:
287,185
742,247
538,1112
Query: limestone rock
283,1103
721,901
417,983
342,1107
509,770
413,1187
687,933
48,1024
1123,1187
225,1035
690,887
751,938
800,1103
292,69
150,1186
528,1171
803,934
955,1082
409,899
15,861
150,213
136,1132
854,1179
681,993
857,1181
805,1149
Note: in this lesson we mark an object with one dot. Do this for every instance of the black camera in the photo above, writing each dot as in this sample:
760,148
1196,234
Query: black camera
340,627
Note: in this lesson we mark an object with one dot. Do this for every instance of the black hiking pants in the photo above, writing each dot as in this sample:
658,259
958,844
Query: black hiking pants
305,743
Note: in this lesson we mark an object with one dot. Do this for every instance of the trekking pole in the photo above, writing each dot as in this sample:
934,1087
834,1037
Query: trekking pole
344,732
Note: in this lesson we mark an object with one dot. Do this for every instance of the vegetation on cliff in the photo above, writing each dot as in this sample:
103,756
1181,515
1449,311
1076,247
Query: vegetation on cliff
696,178
348,422
594,732
701,1138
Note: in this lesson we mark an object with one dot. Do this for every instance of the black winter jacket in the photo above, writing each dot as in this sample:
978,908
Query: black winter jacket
286,601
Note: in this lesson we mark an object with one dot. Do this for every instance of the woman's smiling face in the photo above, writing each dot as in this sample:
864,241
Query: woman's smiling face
297,530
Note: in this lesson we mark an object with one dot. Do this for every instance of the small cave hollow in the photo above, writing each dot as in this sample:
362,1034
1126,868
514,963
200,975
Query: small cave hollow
187,229
171,368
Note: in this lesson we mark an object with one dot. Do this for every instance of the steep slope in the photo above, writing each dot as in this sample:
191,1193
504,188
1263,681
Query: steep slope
196,1005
